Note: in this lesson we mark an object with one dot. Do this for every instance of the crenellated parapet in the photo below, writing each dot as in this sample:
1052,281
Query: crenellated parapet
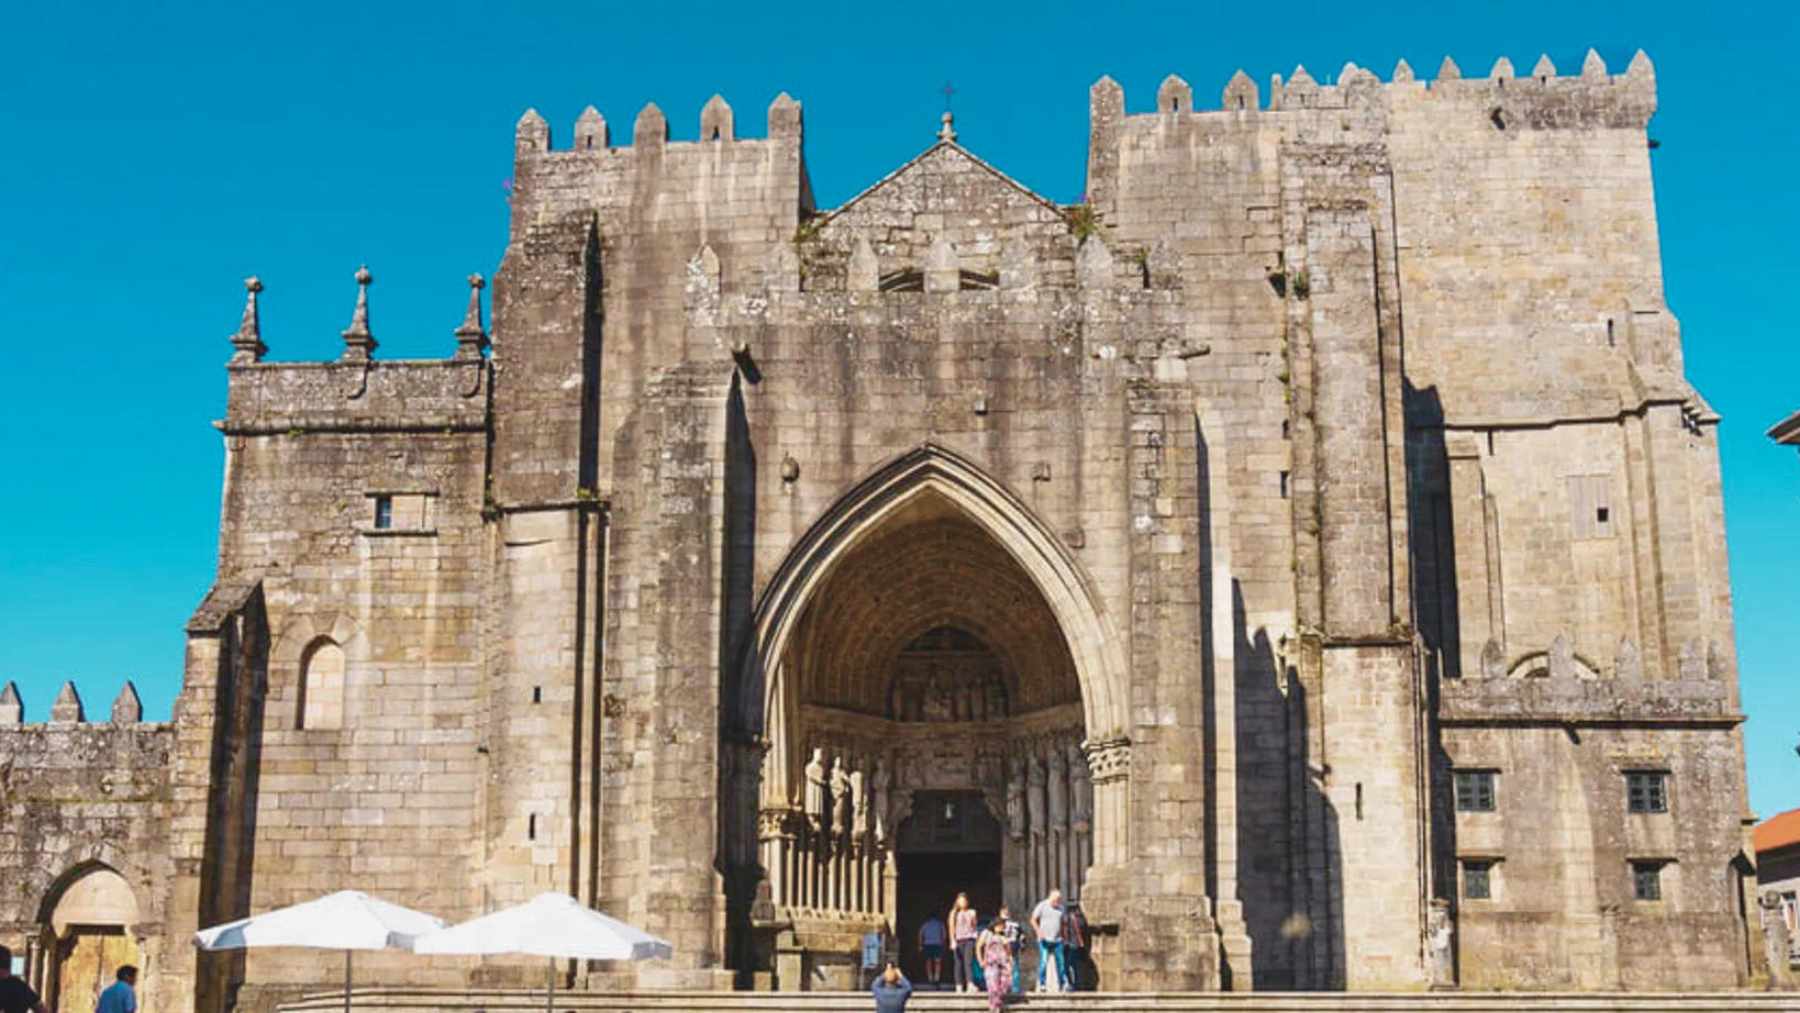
67,759
357,392
1544,99
737,174
68,709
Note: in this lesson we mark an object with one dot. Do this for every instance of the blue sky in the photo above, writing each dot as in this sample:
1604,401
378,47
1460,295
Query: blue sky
152,155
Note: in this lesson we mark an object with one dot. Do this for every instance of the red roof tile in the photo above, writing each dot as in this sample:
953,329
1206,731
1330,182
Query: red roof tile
1777,831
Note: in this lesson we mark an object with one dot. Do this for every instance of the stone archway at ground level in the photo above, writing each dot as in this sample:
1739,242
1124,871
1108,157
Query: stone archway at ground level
86,932
928,640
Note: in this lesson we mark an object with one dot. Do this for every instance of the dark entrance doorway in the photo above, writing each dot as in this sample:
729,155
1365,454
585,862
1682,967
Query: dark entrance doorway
949,844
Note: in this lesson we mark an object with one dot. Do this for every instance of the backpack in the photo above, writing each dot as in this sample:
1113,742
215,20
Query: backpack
1074,928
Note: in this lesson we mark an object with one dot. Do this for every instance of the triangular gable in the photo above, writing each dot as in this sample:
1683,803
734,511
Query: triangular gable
894,191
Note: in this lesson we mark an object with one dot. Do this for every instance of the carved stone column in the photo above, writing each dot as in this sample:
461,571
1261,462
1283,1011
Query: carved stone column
1109,766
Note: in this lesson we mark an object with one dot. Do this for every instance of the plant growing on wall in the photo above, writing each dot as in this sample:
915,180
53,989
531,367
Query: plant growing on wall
1083,220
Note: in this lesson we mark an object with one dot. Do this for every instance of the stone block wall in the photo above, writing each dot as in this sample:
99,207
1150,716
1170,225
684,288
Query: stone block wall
77,798
354,497
1563,912
1313,555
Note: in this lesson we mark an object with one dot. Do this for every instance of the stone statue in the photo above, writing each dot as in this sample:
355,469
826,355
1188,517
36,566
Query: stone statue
939,704
860,819
840,793
879,783
1775,938
1081,791
1015,798
816,800
1562,658
1691,662
1493,660
1437,944
1034,796
1059,791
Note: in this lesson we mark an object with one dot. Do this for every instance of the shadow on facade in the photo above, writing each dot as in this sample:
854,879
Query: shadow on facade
229,855
1435,597
1289,866
1290,863
740,767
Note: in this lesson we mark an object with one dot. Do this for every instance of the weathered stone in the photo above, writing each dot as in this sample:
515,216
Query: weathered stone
979,521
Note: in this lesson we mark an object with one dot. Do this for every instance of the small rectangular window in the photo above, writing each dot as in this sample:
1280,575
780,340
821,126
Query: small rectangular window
384,512
1590,506
1646,791
1646,880
1478,878
1475,791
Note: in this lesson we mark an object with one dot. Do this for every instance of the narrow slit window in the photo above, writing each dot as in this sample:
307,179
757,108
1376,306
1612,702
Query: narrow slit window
531,827
1590,506
384,513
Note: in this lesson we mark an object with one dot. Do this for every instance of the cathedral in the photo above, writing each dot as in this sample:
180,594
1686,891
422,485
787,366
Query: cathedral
1306,552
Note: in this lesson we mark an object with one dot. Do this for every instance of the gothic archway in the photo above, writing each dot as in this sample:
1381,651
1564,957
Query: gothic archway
929,635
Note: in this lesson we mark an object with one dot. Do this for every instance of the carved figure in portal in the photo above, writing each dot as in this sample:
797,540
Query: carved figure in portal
860,820
879,783
840,793
1059,791
1015,798
940,705
1081,791
1034,795
947,674
816,803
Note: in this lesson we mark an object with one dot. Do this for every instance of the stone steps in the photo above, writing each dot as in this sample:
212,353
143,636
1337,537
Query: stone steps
381,1000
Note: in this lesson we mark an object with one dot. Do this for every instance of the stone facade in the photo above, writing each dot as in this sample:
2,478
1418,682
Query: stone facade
1306,551
1777,847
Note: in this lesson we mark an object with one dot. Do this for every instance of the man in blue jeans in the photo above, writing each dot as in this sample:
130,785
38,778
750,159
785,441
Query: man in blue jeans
1047,922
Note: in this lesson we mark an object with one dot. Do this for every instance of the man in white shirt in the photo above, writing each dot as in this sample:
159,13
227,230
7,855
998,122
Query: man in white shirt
1047,922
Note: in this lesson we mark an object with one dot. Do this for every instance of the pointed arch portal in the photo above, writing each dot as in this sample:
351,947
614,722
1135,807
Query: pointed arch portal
941,702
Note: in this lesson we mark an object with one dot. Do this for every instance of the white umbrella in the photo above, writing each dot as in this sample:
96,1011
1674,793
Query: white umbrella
348,920
549,925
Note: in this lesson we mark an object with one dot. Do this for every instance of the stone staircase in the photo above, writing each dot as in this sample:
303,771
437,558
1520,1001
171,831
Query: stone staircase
385,1000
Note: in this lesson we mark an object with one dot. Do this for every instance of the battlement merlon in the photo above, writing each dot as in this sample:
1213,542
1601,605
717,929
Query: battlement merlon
732,187
1543,100
68,711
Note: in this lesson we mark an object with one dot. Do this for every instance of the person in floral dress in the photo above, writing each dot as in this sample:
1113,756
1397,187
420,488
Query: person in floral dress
996,960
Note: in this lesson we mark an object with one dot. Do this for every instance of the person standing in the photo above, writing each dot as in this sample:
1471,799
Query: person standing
891,990
996,961
932,935
962,936
1015,938
1047,922
15,995
121,995
1075,949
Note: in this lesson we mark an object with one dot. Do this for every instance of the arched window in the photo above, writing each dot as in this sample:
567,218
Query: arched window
321,702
